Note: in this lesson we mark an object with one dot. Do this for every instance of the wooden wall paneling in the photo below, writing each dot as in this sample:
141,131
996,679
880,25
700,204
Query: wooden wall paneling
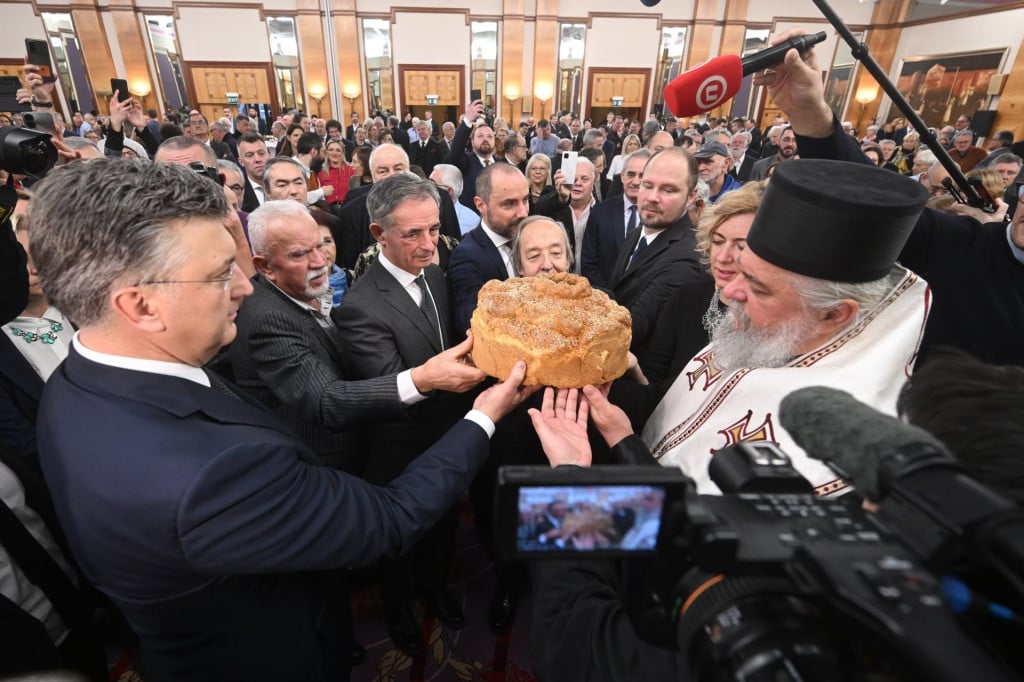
313,55
630,84
134,52
1010,115
346,25
444,80
512,26
545,57
93,41
733,34
705,14
882,44
12,67
208,83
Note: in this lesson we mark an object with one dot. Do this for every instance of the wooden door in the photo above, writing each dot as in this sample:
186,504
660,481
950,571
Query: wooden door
629,84
210,82
420,80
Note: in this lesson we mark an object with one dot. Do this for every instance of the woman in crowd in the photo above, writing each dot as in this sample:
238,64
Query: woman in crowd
904,157
336,173
33,345
372,135
629,145
291,138
873,152
337,277
538,175
360,167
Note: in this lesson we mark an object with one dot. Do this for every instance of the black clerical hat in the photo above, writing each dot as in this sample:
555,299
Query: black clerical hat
835,220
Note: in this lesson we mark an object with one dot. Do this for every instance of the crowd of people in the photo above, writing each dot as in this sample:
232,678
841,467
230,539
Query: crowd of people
254,341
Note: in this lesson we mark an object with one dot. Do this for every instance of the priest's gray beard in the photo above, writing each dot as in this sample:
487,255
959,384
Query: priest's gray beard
738,345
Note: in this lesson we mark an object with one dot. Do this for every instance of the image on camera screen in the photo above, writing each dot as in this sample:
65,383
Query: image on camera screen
585,519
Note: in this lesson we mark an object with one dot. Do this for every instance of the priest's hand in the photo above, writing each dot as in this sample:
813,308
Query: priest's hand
796,87
609,419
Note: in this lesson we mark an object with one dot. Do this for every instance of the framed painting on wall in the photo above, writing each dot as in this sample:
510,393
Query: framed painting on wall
941,88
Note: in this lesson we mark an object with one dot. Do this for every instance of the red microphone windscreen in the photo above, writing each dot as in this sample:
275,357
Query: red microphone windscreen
705,86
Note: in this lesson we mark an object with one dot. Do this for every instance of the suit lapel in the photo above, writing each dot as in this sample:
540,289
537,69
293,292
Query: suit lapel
492,252
308,321
400,301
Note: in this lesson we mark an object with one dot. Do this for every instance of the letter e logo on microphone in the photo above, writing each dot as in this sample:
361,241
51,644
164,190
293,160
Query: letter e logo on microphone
711,92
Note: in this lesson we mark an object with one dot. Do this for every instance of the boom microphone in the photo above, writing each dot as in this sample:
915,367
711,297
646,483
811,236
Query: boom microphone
834,427
707,85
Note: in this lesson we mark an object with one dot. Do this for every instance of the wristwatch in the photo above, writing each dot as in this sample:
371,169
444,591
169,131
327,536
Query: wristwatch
44,105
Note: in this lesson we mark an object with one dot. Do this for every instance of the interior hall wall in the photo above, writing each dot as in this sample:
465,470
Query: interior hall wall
223,34
420,38
19,22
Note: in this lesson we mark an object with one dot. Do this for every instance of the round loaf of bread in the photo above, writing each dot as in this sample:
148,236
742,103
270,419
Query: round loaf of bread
569,334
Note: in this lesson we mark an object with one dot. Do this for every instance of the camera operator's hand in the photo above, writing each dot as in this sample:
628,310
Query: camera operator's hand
796,87
41,92
609,419
561,425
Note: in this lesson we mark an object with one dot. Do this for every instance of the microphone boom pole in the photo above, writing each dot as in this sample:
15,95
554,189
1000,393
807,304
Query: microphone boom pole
860,53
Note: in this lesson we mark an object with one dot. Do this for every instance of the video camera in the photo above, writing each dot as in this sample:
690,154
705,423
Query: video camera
781,584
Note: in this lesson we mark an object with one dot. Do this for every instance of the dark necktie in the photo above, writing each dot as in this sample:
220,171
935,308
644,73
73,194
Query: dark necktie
428,308
487,162
631,225
217,384
641,245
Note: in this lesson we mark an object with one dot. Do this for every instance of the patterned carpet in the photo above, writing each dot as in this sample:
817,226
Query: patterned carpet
472,653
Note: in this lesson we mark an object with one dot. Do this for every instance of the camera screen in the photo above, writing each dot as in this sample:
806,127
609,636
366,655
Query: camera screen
618,518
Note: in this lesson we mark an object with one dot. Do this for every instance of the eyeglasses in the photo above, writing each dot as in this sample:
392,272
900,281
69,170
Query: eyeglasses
223,280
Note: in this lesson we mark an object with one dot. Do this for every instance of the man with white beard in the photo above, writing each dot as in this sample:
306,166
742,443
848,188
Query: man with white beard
819,301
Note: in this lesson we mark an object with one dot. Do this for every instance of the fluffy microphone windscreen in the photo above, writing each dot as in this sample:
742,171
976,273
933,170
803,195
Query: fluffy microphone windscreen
833,426
705,87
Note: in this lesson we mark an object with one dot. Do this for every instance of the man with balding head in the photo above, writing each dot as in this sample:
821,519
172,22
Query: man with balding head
503,200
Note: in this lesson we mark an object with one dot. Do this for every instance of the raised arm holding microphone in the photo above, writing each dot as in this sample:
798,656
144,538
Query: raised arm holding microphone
974,263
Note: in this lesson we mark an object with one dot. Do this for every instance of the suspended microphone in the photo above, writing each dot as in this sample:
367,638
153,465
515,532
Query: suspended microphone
707,85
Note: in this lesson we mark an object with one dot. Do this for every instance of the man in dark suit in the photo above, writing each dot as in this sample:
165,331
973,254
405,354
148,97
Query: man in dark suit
661,256
471,163
743,158
425,152
350,131
189,504
286,353
610,222
435,130
396,316
485,253
252,157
